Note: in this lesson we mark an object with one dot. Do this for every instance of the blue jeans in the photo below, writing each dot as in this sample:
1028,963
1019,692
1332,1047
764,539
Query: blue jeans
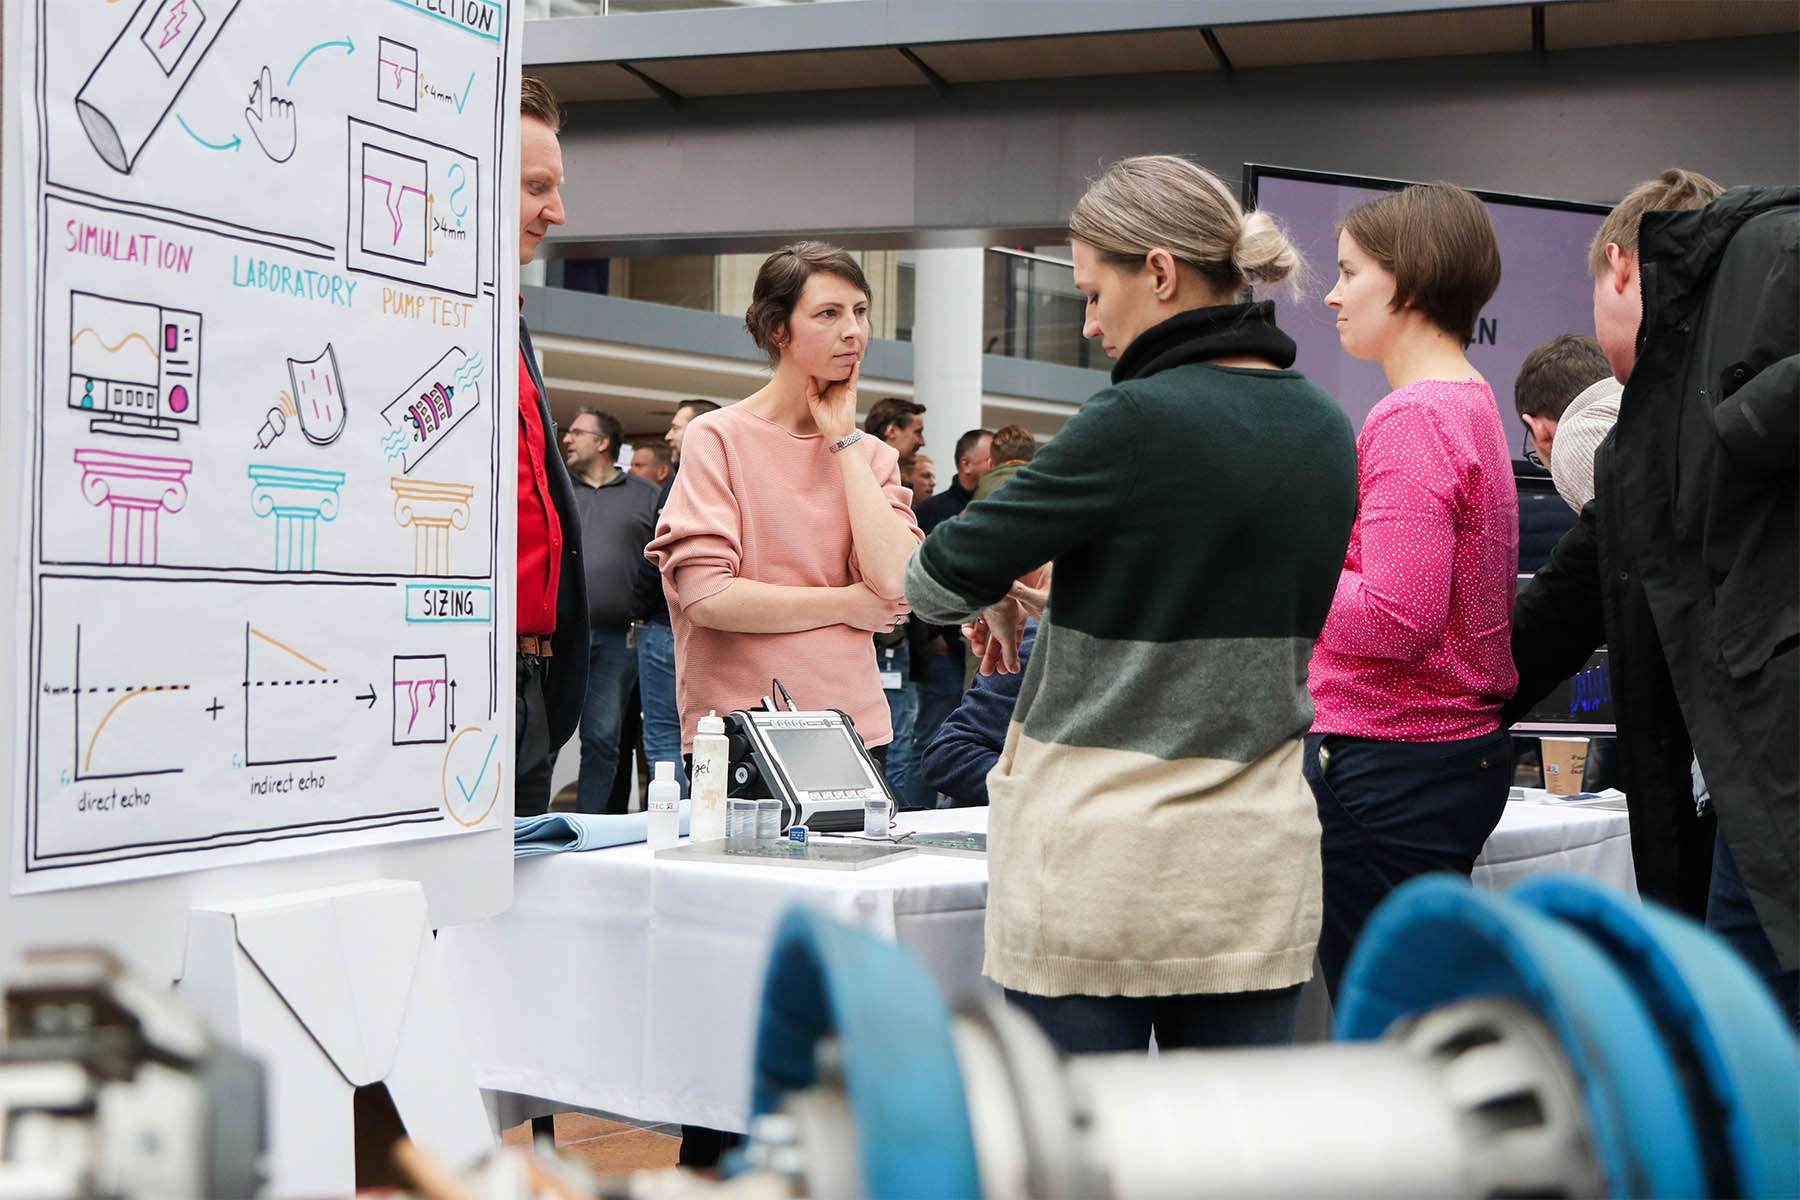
1119,1024
937,696
1730,914
903,708
1390,811
656,684
612,669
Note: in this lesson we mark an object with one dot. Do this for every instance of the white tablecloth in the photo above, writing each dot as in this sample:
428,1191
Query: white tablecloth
622,984
1536,838
628,985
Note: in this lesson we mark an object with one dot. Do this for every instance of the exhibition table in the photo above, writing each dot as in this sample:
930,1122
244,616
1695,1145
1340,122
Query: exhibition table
621,984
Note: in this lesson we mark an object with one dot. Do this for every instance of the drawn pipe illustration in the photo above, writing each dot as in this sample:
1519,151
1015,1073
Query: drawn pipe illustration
136,83
432,405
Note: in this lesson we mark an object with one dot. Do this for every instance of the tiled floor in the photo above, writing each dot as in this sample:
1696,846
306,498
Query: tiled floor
607,1147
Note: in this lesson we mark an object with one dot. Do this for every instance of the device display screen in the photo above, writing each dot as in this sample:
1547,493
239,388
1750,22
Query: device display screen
819,759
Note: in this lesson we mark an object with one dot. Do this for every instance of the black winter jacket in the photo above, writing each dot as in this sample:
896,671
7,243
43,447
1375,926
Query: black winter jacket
1687,562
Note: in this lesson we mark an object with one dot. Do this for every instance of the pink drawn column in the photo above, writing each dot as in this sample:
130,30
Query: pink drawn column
137,489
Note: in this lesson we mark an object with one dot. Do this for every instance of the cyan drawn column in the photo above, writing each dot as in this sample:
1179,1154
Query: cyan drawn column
298,498
137,489
431,511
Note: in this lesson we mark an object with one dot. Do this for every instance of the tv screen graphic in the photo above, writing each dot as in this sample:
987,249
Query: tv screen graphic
1544,289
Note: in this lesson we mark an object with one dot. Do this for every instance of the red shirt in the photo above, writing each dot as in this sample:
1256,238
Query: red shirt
540,532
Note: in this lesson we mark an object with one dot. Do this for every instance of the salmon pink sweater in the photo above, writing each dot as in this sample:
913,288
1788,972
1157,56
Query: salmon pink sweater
754,501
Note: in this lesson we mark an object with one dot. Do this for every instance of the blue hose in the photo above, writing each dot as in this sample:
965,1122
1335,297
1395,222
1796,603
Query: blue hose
899,1061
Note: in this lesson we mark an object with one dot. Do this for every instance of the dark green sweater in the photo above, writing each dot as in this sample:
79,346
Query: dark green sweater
1186,504
1149,831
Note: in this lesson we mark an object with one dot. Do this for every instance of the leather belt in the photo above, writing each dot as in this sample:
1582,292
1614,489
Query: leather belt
533,646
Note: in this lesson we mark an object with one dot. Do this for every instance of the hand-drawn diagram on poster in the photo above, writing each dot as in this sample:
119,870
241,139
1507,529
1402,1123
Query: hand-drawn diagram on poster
263,289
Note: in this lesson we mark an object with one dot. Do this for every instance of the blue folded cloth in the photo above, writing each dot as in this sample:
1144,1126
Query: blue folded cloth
552,833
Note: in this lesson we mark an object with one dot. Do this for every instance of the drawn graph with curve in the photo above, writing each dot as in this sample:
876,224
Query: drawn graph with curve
112,716
410,206
288,695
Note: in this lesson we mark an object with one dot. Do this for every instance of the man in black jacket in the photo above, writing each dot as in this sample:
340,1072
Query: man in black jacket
552,599
1687,562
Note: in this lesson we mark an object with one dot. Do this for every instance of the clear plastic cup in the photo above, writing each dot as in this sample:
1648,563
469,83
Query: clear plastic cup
740,821
876,811
768,819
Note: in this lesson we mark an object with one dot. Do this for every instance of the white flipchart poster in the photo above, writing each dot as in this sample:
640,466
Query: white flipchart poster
260,364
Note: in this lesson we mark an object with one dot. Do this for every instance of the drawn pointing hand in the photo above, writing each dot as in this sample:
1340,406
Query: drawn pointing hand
271,119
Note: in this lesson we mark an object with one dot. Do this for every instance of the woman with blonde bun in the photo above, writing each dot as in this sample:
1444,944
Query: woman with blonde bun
1153,852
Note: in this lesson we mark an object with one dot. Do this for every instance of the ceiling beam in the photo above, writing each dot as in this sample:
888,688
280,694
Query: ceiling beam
664,92
938,83
1218,51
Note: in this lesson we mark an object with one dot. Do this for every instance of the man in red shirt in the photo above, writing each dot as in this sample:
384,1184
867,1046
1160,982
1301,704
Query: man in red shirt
552,611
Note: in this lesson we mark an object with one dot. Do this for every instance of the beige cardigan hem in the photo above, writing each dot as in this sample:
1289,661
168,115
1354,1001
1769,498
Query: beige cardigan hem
1222,973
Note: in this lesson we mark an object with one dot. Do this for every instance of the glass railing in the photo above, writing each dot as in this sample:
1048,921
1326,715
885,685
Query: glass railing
1030,307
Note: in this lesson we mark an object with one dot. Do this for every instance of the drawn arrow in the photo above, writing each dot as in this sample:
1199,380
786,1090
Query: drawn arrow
348,45
369,696
233,144
453,704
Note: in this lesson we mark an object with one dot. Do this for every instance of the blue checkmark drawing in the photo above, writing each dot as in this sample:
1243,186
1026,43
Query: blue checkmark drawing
468,791
467,88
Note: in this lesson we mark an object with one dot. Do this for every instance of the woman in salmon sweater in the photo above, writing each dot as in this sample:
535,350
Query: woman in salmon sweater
1407,758
785,538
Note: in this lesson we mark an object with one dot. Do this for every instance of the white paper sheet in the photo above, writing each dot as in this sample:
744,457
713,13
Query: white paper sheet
259,377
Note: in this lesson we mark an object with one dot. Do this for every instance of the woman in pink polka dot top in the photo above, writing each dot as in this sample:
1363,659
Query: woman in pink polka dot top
1407,758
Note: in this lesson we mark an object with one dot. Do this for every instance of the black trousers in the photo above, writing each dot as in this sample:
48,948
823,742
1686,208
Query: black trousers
532,759
1118,1024
1390,811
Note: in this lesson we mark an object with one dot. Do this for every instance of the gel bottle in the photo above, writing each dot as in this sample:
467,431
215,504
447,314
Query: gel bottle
712,754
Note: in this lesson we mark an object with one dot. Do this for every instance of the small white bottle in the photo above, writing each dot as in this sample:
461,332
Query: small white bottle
712,760
664,807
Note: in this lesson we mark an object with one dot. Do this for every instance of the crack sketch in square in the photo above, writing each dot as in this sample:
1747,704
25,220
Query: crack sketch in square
397,74
421,699
394,187
413,210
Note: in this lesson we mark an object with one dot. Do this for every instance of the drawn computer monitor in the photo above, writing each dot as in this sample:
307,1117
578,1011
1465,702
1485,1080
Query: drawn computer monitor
135,366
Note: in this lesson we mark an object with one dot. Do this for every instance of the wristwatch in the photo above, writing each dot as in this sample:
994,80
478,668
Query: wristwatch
849,439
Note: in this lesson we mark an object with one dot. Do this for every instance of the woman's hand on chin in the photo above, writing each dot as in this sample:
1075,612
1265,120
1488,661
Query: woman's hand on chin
833,408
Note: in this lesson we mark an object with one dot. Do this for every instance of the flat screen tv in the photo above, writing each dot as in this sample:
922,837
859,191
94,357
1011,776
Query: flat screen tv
1544,286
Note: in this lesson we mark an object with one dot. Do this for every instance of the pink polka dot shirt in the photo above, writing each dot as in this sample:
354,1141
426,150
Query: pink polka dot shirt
1418,644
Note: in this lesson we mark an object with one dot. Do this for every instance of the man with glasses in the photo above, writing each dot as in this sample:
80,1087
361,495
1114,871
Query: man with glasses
1568,400
618,519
